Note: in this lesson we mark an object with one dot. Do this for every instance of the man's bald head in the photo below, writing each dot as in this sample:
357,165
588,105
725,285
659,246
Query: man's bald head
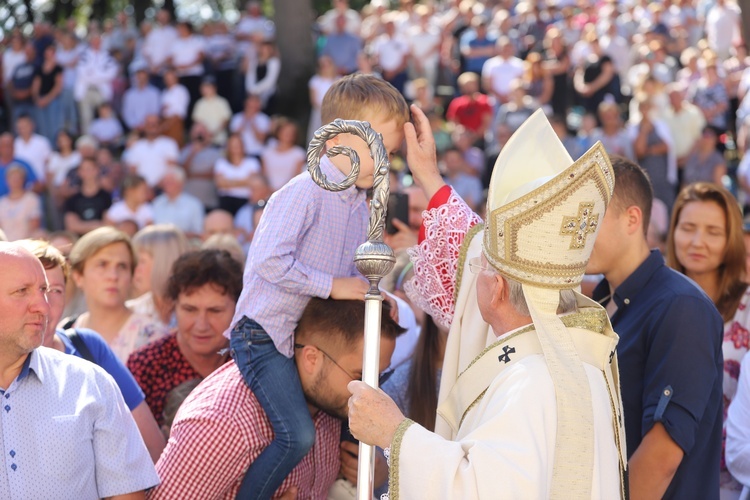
217,222
12,250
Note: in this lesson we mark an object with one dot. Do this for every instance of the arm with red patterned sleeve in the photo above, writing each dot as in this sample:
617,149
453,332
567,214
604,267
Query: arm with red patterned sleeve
446,222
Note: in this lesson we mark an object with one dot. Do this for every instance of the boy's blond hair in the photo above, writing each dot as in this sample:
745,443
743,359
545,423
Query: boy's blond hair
363,97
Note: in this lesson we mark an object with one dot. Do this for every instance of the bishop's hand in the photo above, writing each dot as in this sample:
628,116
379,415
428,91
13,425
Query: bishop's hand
373,416
421,156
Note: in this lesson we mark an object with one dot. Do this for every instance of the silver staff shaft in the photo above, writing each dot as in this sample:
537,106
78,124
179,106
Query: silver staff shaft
370,375
374,259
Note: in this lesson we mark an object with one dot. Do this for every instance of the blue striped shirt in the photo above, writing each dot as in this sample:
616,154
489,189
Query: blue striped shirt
306,237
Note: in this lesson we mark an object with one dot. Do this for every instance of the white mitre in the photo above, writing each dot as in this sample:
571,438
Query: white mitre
543,215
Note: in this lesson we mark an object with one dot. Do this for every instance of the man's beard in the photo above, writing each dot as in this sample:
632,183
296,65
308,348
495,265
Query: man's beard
319,396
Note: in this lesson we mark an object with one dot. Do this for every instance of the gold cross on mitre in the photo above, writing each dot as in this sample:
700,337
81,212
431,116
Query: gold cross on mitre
581,226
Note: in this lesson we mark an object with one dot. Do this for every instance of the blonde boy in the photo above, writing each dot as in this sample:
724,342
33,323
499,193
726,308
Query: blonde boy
303,248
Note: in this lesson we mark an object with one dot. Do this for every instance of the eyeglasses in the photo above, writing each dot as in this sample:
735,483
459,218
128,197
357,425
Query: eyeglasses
352,377
476,267
382,378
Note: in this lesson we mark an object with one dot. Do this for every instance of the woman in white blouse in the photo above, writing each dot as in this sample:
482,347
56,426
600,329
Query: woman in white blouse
186,57
283,159
232,175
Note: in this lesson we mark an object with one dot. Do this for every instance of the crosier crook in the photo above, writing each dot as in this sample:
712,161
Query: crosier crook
374,259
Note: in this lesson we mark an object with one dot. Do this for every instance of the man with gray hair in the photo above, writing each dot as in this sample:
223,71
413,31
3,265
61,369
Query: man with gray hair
529,388
65,428
174,206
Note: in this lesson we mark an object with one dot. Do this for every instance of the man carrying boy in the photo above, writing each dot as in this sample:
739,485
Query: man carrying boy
304,247
222,411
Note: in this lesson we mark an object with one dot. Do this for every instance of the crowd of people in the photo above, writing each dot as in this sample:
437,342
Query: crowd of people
181,241
170,102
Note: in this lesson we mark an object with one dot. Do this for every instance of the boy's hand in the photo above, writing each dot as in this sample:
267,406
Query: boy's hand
349,289
421,156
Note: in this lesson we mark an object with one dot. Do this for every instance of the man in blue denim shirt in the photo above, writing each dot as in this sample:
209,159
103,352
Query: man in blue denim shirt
669,352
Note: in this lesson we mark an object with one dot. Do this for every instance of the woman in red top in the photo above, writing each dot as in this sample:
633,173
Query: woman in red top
204,287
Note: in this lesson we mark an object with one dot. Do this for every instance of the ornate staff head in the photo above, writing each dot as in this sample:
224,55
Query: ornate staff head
374,259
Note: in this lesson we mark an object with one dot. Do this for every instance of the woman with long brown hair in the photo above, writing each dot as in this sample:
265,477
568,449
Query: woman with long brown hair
706,244
414,384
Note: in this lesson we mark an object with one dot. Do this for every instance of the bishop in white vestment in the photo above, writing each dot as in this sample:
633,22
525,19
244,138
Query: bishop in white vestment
529,403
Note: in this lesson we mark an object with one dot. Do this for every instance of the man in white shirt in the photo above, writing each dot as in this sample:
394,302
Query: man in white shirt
253,28
685,121
392,53
722,27
174,206
157,46
151,156
175,100
499,72
32,148
327,21
425,40
95,72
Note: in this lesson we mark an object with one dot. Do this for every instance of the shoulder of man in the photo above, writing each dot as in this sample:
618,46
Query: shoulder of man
67,369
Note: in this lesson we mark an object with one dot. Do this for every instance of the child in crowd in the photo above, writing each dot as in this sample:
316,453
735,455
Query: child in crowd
303,248
134,205
107,129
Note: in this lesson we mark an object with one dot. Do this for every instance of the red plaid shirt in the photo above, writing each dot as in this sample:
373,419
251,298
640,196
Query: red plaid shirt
220,429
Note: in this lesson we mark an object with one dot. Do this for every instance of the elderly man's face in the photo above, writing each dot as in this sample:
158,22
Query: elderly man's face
171,185
202,316
24,310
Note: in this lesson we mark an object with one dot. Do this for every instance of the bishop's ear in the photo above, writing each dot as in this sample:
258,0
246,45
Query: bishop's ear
499,289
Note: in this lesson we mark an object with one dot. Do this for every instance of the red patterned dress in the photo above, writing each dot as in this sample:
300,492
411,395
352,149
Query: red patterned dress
159,368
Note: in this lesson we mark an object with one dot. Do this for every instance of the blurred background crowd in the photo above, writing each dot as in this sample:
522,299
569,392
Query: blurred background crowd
164,122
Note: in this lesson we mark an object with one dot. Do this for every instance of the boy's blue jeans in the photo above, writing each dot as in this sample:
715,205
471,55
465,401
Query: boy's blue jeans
274,380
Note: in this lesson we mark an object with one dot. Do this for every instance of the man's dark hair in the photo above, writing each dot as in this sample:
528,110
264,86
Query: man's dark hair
632,188
195,269
341,322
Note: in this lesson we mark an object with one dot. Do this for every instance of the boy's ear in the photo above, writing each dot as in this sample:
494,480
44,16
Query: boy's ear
334,141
